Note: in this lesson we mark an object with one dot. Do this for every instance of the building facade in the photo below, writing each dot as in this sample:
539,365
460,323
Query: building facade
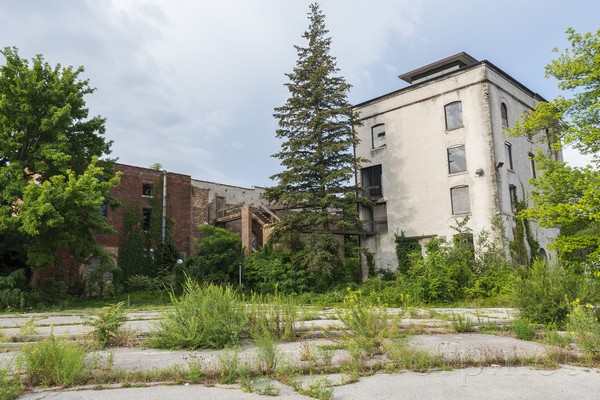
438,152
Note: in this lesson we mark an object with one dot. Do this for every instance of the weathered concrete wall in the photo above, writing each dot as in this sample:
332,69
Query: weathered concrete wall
415,176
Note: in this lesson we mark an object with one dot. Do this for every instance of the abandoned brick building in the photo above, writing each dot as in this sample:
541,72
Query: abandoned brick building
188,203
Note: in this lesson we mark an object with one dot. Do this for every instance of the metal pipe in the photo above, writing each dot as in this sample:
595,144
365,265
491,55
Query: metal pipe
164,208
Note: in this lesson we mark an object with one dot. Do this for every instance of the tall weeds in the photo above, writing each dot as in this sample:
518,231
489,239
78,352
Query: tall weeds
203,317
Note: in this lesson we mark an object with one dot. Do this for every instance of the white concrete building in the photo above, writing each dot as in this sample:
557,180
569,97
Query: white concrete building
438,152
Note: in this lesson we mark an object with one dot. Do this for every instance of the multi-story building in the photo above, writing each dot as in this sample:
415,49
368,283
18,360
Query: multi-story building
438,152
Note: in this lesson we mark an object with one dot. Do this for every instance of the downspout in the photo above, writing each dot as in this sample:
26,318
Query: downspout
164,208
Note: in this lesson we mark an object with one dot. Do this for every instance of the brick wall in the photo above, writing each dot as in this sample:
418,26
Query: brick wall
130,192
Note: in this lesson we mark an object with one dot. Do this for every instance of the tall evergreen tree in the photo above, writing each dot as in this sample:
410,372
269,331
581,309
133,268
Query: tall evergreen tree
316,125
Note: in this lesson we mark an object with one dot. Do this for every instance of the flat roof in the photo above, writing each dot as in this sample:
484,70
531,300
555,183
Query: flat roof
459,60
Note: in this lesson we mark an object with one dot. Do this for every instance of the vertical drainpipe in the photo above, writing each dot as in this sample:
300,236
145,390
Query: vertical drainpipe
164,208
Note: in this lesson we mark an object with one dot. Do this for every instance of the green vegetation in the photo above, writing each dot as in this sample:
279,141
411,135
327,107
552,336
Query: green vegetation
57,148
107,324
10,385
218,256
524,329
53,361
584,326
564,195
203,317
316,125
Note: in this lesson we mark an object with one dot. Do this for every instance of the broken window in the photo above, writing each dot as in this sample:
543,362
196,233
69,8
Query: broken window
460,200
508,155
146,218
147,189
371,181
378,136
504,115
453,115
457,161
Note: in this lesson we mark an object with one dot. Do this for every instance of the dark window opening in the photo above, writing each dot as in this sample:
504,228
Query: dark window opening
508,155
147,189
371,181
532,164
504,115
146,218
104,210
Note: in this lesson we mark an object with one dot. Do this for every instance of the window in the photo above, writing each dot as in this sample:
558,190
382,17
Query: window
146,217
504,115
512,191
147,189
378,136
104,209
457,161
532,164
371,181
508,155
460,200
453,115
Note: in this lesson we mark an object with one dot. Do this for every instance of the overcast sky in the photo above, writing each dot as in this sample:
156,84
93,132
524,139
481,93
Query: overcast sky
192,84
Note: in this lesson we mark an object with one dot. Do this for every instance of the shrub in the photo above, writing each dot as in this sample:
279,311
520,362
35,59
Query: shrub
10,386
11,295
107,323
365,325
543,292
218,256
203,317
523,329
275,313
270,271
584,327
53,361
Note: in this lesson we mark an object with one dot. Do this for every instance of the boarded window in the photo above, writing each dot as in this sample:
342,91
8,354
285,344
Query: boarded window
371,181
460,200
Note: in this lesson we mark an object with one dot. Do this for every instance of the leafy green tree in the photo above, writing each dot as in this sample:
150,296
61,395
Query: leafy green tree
566,196
218,256
316,125
52,184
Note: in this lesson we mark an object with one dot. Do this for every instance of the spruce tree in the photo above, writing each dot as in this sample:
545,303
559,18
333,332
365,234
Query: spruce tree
316,124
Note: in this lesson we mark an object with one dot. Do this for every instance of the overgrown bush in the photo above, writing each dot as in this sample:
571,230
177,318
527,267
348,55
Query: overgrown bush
467,267
218,256
365,324
271,271
584,327
10,385
523,329
543,292
107,324
53,361
11,293
274,313
203,317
